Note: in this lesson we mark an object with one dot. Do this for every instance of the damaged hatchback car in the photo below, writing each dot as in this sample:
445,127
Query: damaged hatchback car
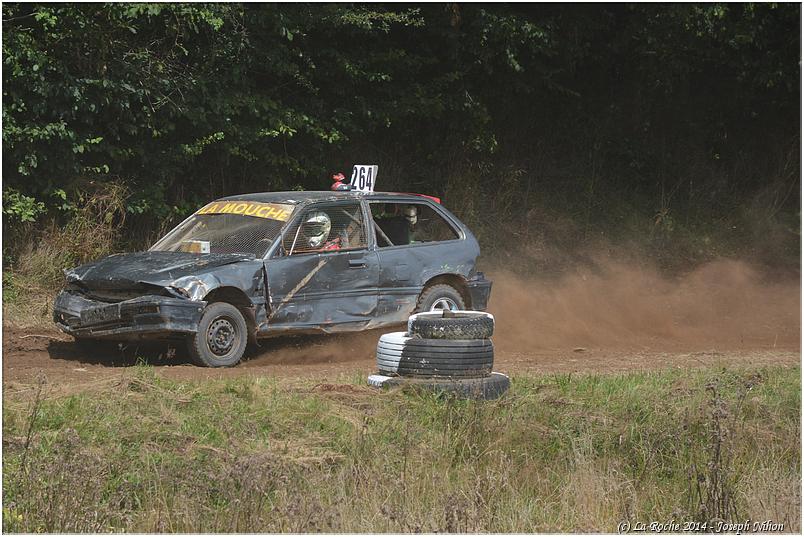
252,266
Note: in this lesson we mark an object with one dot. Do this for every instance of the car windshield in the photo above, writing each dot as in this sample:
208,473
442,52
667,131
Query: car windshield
228,228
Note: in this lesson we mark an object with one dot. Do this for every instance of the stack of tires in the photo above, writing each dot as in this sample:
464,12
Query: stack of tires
442,350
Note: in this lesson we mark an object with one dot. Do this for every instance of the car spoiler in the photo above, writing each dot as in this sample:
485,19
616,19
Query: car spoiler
435,199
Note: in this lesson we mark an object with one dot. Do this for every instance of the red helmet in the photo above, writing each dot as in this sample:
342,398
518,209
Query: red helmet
338,183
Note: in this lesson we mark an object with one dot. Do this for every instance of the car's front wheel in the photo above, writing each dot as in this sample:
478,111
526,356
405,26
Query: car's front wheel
221,337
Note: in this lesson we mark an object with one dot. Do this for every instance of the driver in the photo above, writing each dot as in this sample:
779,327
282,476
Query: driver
315,232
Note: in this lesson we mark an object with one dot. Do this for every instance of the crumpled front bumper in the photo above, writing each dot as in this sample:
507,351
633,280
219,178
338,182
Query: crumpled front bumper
480,291
145,316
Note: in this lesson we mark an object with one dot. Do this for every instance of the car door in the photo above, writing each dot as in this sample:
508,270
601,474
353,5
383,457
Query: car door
323,276
410,252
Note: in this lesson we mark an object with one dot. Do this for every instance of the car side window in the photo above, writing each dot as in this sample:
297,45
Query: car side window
325,229
409,223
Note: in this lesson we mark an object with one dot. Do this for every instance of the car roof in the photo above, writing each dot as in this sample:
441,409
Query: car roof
296,197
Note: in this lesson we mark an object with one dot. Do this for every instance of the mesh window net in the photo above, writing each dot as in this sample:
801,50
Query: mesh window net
222,234
326,228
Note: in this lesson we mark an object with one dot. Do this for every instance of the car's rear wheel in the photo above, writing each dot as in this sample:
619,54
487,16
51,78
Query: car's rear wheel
440,297
221,337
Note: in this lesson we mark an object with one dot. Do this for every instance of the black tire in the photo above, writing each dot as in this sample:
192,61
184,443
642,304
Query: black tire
221,338
451,325
454,361
398,354
441,354
431,296
490,387
435,373
443,364
400,340
434,370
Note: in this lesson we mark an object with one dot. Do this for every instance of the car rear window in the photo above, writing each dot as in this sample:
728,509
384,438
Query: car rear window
409,223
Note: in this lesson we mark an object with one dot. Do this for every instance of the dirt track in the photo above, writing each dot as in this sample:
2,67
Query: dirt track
27,354
620,319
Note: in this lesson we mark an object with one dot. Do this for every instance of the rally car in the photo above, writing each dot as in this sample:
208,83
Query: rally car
251,266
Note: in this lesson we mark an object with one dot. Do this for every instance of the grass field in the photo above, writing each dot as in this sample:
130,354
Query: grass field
557,453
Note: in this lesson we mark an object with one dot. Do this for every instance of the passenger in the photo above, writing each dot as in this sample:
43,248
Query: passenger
410,215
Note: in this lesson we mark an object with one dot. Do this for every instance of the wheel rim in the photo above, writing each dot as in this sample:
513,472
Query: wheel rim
444,303
221,336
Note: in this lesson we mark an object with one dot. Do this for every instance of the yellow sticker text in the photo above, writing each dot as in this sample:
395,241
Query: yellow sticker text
274,211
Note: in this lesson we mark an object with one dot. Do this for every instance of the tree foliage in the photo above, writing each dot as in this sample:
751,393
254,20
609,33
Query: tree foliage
182,102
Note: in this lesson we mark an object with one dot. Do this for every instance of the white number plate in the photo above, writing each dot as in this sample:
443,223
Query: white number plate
364,177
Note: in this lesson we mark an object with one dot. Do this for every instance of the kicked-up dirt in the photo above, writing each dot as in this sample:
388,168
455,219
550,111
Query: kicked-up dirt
617,318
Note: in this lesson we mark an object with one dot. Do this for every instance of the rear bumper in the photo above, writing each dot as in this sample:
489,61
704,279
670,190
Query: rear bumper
480,291
146,316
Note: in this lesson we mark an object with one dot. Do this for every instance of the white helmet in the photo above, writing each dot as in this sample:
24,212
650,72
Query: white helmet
315,229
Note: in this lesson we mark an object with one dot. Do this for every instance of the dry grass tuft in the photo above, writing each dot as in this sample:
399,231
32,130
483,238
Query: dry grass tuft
252,455
92,230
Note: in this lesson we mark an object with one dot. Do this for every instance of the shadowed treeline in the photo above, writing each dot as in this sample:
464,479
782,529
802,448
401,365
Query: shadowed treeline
672,129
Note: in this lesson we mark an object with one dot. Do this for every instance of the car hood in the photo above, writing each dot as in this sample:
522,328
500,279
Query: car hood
157,268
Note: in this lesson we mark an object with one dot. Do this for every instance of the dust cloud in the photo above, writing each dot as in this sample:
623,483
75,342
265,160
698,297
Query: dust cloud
319,348
725,305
